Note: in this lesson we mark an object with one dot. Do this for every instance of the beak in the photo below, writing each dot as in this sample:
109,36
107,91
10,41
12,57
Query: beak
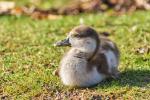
64,42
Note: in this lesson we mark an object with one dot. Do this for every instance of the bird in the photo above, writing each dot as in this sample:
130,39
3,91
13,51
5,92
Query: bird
91,58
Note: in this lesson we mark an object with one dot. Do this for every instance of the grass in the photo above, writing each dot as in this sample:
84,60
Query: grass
28,58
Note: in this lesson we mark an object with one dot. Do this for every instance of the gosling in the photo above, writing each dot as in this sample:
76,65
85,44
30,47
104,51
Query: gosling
91,59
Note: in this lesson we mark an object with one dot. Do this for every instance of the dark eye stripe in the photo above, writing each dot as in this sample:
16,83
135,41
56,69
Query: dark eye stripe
81,35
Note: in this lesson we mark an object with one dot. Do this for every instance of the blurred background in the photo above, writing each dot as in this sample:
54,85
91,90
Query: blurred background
41,8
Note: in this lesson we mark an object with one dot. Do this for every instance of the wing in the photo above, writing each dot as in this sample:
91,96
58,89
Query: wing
107,58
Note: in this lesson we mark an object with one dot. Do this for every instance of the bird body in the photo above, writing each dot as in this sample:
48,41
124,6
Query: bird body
90,60
74,70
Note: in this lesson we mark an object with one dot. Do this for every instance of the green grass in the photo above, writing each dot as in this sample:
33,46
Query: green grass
28,58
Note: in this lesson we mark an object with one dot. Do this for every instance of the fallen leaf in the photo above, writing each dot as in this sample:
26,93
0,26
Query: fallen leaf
143,50
5,6
17,11
38,15
53,17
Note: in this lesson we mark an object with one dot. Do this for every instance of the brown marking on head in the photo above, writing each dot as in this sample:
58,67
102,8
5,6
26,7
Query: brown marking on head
83,31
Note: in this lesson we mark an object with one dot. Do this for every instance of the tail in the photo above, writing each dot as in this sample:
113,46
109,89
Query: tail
106,34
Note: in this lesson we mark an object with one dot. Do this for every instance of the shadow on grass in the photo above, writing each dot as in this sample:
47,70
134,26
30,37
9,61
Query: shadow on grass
139,78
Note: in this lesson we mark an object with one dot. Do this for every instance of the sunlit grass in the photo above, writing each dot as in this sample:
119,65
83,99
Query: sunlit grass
28,58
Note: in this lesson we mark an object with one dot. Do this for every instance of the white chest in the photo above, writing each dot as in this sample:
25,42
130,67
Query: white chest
74,72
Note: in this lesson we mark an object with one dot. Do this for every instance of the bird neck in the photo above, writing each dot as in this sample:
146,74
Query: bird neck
96,49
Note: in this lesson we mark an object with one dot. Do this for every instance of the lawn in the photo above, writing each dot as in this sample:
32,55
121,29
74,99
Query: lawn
28,57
